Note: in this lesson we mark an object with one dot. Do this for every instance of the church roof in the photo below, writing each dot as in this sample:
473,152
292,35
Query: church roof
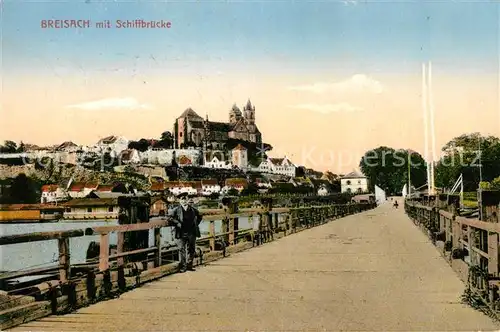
190,114
248,106
196,124
219,126
235,109
239,147
354,175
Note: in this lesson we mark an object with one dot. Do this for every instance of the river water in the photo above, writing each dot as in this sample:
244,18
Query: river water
23,256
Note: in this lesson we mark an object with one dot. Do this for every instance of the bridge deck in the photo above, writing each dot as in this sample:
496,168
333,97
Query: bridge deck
373,271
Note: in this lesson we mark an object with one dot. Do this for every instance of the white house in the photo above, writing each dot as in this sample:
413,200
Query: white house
52,193
323,190
81,189
281,166
189,187
113,144
354,182
217,163
130,156
216,159
67,147
235,183
240,157
209,187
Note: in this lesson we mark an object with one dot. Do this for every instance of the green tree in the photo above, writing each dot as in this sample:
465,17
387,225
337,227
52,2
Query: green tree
252,189
8,147
334,180
24,190
461,156
388,168
233,192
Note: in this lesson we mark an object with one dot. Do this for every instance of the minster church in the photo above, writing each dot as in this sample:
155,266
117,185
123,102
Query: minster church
191,130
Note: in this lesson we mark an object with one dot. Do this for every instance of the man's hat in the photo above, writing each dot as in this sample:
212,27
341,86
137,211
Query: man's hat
183,195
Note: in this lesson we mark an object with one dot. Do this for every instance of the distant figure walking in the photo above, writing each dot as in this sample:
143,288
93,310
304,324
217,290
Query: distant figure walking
186,219
396,204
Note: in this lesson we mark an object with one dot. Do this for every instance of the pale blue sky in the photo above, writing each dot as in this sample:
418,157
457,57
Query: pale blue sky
283,36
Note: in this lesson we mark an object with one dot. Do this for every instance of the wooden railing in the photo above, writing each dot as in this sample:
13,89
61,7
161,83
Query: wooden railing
471,246
66,286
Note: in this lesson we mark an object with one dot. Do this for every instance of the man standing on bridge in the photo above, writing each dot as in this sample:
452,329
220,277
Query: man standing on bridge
186,219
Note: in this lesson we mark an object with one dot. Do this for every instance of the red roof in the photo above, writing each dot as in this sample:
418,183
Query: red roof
49,187
239,147
183,160
210,182
236,182
157,186
77,186
105,187
91,185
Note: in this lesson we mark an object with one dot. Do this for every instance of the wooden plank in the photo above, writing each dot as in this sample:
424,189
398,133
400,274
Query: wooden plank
104,252
130,227
487,226
30,272
157,237
64,263
42,236
493,254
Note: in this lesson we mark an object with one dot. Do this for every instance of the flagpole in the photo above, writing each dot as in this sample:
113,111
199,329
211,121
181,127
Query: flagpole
432,129
426,129
409,173
462,191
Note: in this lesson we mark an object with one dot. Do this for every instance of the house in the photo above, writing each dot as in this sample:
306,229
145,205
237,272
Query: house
281,166
81,189
180,187
240,157
113,144
216,159
185,161
354,182
157,188
92,208
158,207
67,147
129,156
235,183
105,188
52,193
209,187
262,183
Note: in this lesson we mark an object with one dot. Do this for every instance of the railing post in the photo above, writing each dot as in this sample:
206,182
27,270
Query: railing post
157,235
104,252
489,201
211,231
120,242
493,254
64,263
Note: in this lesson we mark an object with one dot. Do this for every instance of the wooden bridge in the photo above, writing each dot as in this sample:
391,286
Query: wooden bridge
359,269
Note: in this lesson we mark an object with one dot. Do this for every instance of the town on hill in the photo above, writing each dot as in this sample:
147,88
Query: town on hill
200,157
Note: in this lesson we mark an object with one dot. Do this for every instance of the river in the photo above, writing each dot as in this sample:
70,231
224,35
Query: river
23,256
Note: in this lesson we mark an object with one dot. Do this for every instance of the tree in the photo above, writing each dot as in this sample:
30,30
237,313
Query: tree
334,180
233,192
461,156
8,147
251,189
24,190
166,140
21,148
388,169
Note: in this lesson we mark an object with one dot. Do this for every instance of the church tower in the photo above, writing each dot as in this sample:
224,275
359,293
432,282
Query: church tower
234,114
249,113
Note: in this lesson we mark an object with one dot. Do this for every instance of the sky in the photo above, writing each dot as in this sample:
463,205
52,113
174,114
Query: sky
330,80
